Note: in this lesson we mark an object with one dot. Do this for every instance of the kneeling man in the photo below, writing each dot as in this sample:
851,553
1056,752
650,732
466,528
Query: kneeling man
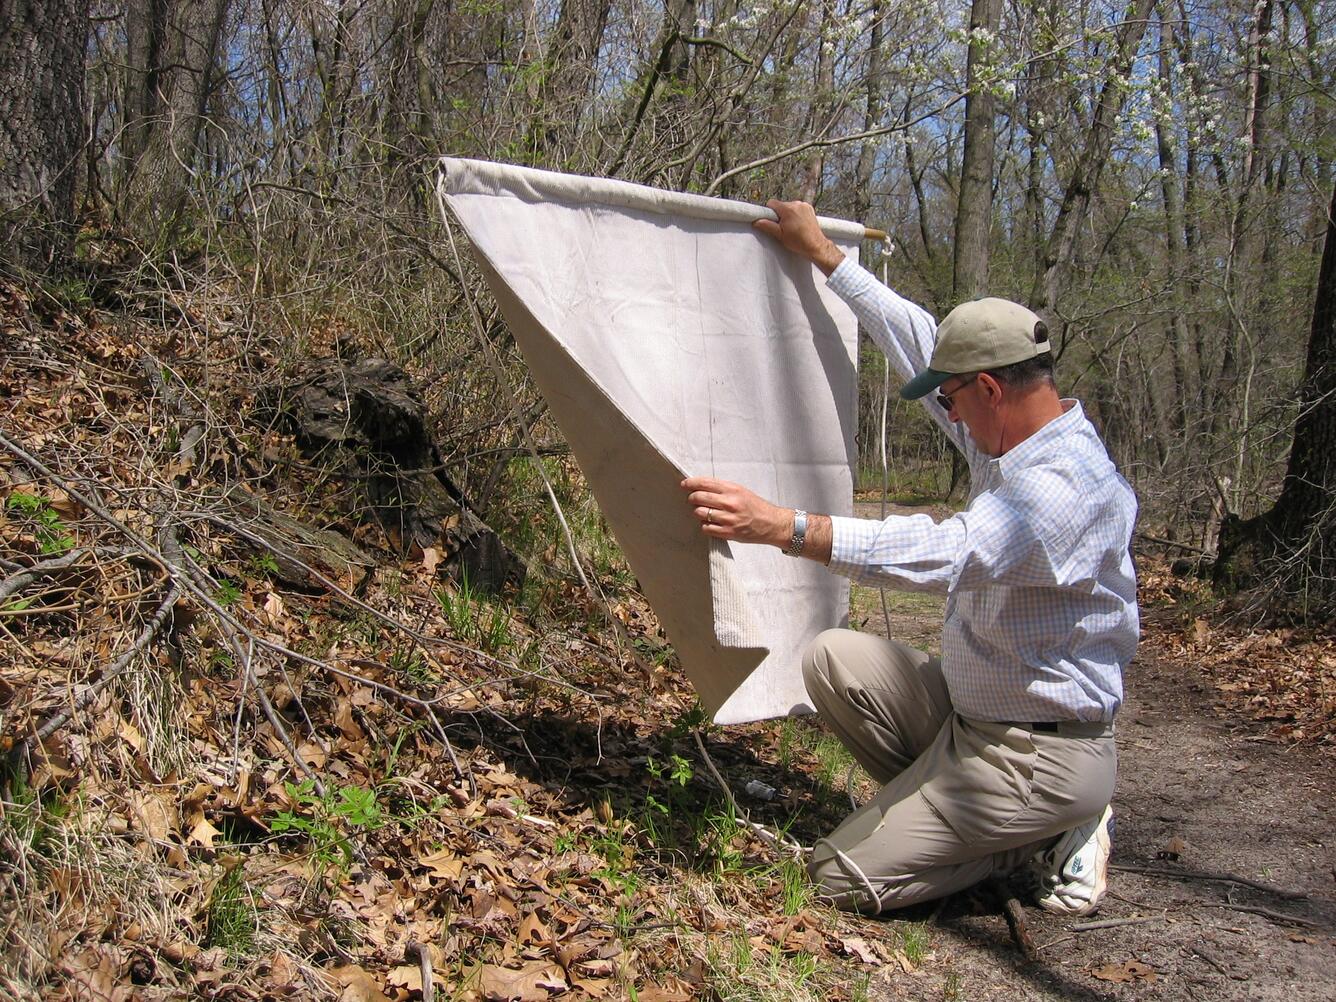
1000,753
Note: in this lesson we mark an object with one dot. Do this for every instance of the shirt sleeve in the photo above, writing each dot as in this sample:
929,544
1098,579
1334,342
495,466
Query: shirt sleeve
904,331
997,541
909,552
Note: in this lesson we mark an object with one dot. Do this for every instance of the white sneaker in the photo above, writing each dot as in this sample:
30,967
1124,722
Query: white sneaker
1073,875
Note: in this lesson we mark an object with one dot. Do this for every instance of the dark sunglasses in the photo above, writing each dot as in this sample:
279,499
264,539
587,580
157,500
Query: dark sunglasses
944,399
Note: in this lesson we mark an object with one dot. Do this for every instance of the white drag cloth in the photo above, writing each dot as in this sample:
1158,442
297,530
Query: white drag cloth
670,339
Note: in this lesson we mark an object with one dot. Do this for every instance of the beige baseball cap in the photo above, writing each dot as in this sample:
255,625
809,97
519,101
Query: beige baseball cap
978,335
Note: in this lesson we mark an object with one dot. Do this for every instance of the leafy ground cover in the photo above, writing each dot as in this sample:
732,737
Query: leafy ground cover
224,785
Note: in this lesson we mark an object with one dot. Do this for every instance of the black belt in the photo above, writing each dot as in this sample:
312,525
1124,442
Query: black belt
1070,728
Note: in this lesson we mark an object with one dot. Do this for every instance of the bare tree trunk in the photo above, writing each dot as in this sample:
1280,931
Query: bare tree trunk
974,205
570,73
42,126
146,52
1293,546
1174,236
1243,266
183,61
1039,81
1060,249
819,110
670,58
872,115
329,49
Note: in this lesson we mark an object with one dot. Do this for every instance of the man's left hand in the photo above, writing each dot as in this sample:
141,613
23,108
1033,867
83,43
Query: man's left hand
730,511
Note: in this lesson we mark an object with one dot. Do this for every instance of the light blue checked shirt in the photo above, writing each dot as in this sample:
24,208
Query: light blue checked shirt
1041,612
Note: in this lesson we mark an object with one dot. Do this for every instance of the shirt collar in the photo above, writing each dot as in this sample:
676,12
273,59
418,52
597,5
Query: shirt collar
1039,445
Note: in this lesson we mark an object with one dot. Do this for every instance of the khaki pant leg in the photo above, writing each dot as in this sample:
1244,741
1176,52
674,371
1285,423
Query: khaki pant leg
884,700
981,800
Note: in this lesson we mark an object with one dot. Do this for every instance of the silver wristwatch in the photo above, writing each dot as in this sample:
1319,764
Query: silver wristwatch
799,537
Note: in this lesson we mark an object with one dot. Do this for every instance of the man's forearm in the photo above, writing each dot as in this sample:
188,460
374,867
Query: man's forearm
819,539
827,258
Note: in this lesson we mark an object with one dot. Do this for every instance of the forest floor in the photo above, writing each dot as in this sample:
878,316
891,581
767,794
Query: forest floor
518,794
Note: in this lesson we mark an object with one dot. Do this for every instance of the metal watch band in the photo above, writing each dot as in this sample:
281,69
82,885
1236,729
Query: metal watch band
795,547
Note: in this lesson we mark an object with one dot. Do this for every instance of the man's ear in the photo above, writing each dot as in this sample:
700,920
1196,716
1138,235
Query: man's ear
992,387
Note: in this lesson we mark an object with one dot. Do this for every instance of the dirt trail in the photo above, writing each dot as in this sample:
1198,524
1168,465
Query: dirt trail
1215,793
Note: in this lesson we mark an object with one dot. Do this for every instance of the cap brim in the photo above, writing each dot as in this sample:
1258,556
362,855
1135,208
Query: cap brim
923,384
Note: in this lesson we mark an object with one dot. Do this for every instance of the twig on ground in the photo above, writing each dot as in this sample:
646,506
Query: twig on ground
44,568
776,840
245,661
1209,957
1015,914
423,954
1113,923
1230,878
1054,942
180,571
415,635
1173,543
1265,913
85,697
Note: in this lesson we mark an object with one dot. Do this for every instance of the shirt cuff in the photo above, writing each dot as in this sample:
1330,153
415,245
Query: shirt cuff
849,278
849,545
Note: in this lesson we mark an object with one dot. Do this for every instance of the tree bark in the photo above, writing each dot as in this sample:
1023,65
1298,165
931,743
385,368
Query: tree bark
819,111
875,109
1292,547
974,205
570,74
183,47
42,127
1174,235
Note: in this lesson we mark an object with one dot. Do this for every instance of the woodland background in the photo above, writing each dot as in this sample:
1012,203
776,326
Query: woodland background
198,197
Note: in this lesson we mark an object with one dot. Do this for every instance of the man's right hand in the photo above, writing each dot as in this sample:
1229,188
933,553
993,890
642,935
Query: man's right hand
798,231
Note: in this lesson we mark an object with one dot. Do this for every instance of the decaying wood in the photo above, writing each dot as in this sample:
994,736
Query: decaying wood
301,551
365,422
42,569
1015,915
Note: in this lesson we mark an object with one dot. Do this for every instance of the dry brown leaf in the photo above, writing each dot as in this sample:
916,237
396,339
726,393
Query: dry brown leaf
154,814
1128,970
672,990
531,983
130,735
92,975
444,864
405,976
595,987
597,967
273,609
857,947
348,726
431,558
532,930
314,755
358,984
204,834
